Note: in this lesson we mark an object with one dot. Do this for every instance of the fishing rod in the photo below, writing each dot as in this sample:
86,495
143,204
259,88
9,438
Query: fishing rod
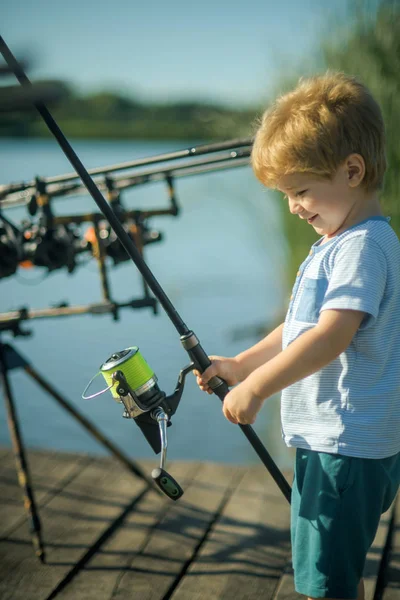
126,181
194,151
64,310
146,404
9,197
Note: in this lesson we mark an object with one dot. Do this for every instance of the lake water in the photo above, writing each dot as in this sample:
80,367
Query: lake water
221,263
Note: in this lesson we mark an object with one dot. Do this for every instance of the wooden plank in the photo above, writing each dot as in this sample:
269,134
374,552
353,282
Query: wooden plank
248,547
286,591
73,520
392,579
154,572
107,566
49,471
4,453
285,588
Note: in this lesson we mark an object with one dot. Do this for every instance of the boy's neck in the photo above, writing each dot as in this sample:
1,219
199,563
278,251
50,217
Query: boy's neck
369,206
364,207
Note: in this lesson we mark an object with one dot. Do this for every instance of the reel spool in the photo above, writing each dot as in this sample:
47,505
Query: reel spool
129,367
133,383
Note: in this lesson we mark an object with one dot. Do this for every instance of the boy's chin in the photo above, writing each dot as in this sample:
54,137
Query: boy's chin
319,229
325,231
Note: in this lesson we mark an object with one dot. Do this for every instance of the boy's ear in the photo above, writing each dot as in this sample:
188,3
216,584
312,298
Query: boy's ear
355,167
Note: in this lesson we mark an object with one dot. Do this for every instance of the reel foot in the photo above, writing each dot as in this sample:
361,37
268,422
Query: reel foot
167,483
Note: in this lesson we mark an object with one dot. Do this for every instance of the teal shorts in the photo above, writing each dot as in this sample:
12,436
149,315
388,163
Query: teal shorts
336,506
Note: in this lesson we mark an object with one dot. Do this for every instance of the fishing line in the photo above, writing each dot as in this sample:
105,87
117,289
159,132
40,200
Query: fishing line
199,359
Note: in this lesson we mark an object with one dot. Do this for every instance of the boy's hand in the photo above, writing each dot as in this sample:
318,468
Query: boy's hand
241,405
226,368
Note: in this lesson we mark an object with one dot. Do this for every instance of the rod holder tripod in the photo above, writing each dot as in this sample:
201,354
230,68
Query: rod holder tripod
11,359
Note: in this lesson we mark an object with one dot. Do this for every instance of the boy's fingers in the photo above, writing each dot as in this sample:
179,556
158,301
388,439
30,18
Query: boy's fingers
203,386
228,415
202,379
210,372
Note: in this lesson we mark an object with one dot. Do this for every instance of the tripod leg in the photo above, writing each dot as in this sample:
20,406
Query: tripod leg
24,478
125,460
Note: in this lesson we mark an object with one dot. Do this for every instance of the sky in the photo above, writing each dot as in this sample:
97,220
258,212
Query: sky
160,50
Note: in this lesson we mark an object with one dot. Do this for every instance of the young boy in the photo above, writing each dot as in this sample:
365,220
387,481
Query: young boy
337,355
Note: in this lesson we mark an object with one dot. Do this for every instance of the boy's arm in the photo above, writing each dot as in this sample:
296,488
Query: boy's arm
308,353
260,353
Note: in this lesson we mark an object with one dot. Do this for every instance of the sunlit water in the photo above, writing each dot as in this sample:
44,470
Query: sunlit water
221,262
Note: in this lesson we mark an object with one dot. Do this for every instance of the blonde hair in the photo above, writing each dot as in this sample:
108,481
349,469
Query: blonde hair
313,129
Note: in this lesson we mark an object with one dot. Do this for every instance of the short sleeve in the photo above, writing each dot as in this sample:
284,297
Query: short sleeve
358,278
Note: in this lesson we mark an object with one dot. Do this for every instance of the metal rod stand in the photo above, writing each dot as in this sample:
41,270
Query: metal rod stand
11,359
24,478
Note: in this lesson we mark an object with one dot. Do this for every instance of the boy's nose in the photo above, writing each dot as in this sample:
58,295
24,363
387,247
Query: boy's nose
294,207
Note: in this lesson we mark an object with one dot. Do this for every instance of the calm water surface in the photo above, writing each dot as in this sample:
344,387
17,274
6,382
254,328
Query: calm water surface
221,263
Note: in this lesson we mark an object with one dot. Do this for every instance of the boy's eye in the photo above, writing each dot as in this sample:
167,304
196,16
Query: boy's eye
301,193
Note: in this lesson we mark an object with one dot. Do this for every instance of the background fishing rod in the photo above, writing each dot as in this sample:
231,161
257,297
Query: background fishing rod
55,242
57,245
10,196
188,339
192,152
51,241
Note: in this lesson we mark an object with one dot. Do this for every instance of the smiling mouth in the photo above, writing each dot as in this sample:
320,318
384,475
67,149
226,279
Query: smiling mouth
312,219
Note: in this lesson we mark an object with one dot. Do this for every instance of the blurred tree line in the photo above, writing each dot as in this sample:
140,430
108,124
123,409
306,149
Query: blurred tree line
109,115
368,46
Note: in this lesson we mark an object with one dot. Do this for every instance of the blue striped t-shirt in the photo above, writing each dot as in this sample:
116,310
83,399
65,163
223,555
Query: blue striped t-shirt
351,406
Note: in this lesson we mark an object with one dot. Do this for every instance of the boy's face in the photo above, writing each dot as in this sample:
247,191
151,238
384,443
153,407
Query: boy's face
330,206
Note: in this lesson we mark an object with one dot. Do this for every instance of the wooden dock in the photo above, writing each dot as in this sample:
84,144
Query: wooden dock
108,536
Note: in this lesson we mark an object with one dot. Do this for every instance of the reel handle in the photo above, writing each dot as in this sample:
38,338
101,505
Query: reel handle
167,484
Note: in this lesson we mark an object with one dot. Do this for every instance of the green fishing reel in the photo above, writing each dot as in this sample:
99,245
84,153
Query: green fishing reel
134,384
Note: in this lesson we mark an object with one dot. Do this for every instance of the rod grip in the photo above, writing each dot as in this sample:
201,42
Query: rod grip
201,361
219,387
